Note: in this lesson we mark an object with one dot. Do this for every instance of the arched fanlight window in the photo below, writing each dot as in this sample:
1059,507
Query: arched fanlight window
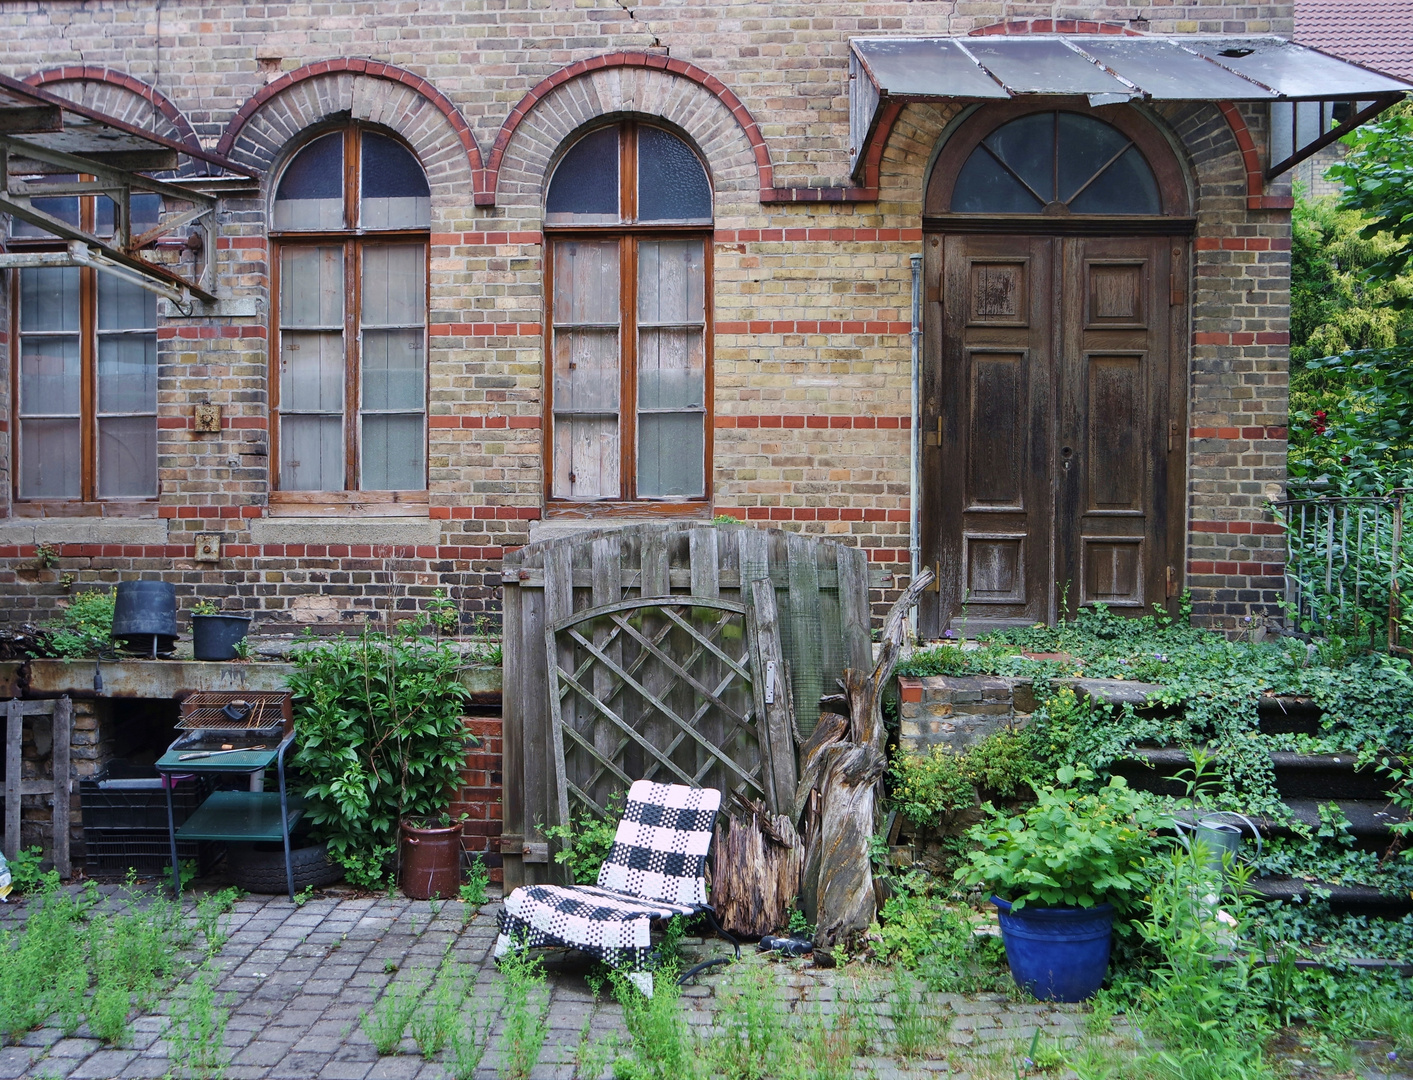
1056,162
628,212
350,219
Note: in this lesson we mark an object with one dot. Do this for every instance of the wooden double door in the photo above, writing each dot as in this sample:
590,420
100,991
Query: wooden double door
1053,423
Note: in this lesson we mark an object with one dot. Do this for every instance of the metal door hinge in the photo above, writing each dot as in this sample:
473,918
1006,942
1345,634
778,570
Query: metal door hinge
1171,587
936,584
1174,436
934,438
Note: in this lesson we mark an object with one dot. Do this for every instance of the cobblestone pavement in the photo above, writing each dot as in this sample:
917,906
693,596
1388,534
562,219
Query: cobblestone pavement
295,980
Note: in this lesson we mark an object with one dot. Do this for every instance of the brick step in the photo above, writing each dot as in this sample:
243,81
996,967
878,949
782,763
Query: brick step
1343,899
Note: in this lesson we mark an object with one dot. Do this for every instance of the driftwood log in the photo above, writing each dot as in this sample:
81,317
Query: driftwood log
756,870
841,768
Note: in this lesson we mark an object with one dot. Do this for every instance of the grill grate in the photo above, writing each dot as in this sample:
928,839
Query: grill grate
253,712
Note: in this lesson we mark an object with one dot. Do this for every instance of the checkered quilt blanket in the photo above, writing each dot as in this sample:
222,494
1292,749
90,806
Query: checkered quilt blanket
656,869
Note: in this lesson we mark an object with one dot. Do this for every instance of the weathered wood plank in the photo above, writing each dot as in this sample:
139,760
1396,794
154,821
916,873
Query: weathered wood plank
607,569
806,629
854,609
559,603
513,705
14,732
778,724
680,578
59,760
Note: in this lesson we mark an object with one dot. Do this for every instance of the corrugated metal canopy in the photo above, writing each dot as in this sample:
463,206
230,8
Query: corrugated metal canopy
1174,68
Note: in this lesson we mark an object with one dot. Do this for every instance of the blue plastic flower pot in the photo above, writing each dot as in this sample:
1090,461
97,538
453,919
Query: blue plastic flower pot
1057,953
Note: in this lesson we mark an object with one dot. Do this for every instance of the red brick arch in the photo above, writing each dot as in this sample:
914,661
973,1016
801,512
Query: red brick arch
87,73
486,191
371,68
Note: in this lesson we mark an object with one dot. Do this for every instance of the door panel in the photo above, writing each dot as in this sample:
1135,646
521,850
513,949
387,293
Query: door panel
986,462
1049,385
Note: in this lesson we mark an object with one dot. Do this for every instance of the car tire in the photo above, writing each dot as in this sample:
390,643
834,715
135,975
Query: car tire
260,868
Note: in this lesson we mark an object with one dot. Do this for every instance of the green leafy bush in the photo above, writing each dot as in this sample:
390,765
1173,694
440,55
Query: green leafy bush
585,841
381,738
929,788
85,628
1072,848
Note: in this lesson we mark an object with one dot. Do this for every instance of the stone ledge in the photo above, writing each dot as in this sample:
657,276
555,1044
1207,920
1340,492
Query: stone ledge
399,532
57,531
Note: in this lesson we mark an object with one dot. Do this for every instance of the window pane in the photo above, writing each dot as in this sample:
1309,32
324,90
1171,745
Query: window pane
393,367
1086,146
586,282
310,195
311,372
671,455
49,298
395,192
394,285
672,185
1126,187
671,369
671,282
51,380
145,207
585,183
394,453
123,305
311,286
1027,145
127,456
127,373
311,453
49,459
983,187
585,458
63,207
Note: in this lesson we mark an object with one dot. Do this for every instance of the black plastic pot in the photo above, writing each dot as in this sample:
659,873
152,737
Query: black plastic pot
145,616
215,637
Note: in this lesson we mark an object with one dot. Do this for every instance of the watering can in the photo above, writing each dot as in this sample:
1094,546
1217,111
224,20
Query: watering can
1222,838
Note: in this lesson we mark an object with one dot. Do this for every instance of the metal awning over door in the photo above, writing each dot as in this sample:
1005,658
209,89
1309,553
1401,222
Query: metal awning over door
1106,69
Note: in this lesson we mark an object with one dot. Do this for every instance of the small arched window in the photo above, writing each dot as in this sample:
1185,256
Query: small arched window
1056,162
628,212
350,219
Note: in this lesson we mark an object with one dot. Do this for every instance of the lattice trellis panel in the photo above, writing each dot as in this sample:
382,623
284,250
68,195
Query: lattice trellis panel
658,690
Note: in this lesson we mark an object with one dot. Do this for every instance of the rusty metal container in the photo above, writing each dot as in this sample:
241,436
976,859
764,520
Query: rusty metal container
430,862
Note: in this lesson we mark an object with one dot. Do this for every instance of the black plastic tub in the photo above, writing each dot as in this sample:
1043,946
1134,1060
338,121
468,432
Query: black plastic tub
145,616
215,637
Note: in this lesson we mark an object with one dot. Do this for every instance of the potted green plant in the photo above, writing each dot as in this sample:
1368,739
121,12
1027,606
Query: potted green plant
1059,871
216,634
382,742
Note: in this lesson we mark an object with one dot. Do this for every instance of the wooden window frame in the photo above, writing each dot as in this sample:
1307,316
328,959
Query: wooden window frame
88,502
629,233
354,238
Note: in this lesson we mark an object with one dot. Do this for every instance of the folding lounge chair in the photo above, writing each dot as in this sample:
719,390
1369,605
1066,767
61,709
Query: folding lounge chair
655,870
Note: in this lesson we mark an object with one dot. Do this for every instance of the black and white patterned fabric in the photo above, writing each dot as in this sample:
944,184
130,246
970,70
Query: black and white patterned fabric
656,869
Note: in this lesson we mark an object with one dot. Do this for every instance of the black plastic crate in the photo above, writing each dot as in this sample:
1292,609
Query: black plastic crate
148,851
144,807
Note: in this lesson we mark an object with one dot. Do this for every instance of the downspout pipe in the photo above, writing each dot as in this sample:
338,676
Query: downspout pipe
915,439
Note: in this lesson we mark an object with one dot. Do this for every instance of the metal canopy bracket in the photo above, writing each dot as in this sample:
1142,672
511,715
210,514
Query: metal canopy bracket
107,151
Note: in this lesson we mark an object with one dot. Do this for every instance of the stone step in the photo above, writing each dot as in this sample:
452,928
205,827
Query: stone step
1343,899
1324,777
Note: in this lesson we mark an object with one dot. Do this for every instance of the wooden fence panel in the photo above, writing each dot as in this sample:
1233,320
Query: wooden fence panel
821,591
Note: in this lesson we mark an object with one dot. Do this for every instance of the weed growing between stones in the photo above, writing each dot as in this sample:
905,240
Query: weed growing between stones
466,1047
434,1022
916,1030
196,1037
473,892
525,1016
591,1056
387,1021
663,1047
209,910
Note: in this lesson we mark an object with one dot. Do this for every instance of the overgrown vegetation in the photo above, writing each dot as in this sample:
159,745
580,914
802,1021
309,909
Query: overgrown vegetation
84,627
381,739
585,841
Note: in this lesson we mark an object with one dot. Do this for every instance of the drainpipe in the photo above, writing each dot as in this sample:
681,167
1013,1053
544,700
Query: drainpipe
915,438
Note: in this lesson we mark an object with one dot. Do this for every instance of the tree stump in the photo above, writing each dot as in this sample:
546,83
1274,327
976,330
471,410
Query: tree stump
756,870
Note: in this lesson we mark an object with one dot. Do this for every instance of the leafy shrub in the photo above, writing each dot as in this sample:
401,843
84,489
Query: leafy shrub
381,738
1071,848
1007,763
929,788
85,628
586,840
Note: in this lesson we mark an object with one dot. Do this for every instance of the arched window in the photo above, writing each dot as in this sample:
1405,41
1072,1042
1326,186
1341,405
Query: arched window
1056,162
628,213
350,220
85,363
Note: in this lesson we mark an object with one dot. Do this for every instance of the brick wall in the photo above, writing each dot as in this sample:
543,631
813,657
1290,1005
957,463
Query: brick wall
812,297
480,795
